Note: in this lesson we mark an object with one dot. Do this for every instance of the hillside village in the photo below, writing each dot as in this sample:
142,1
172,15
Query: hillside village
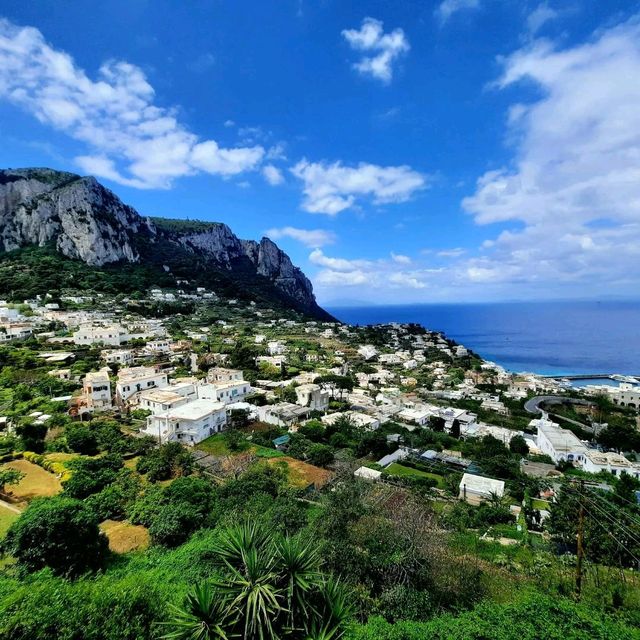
114,401
191,380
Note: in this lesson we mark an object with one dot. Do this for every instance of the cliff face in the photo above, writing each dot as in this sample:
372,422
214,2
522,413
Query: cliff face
86,221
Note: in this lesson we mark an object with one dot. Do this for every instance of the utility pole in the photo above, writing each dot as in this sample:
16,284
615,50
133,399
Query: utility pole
580,543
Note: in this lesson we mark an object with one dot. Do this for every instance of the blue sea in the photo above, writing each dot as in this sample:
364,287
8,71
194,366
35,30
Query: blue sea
554,338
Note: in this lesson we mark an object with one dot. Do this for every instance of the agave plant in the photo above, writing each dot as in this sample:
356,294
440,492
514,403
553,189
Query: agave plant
253,593
333,610
204,615
298,565
267,587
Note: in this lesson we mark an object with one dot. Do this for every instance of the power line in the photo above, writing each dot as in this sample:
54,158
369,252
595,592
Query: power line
630,516
595,520
630,534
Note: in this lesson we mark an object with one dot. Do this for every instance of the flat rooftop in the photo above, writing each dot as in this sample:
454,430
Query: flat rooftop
194,410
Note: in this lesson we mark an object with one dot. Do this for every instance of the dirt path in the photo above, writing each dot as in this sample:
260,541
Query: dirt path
9,506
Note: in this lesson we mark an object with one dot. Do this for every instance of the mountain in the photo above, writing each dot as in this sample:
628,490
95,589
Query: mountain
76,217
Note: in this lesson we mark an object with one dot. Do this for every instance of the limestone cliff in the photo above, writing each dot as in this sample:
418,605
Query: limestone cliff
85,221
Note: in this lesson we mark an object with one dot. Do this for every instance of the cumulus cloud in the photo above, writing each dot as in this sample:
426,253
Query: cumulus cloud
130,139
272,175
332,188
575,181
447,8
400,259
385,276
380,50
308,237
317,257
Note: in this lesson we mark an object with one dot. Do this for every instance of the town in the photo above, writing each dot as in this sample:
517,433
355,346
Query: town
139,407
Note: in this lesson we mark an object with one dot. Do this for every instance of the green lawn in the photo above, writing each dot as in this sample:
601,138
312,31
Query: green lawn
7,517
400,470
540,504
216,445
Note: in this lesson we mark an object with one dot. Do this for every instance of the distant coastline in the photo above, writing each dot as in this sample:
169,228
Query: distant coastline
548,338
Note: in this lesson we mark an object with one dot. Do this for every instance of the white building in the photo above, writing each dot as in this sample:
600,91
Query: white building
368,351
159,400
15,331
364,473
362,420
276,348
220,374
135,379
559,444
475,489
595,461
113,335
158,347
122,357
189,423
626,395
96,390
312,396
225,392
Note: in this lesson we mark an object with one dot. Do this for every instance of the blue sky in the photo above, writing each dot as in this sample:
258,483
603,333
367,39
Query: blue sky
459,150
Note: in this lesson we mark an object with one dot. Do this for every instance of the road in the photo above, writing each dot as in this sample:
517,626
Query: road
533,404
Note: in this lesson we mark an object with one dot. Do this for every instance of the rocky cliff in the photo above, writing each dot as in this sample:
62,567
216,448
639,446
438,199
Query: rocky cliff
85,221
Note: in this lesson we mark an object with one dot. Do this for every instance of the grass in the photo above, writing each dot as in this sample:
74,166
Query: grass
36,482
125,537
7,517
302,474
216,445
541,505
400,470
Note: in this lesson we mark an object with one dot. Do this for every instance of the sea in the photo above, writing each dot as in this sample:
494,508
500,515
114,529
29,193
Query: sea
548,338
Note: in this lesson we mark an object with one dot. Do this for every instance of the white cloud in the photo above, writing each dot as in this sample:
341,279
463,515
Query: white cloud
130,139
400,259
332,188
385,277
229,124
384,48
317,257
330,278
272,175
451,253
542,14
576,166
447,8
308,237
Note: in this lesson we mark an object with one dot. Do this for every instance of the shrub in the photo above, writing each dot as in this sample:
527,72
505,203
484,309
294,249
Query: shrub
60,533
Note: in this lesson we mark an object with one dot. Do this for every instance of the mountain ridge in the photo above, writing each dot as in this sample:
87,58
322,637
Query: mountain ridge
83,220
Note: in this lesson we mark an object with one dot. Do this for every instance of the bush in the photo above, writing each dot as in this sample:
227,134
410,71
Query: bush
81,440
174,523
60,533
91,475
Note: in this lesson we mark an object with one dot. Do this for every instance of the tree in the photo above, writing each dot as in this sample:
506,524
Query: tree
455,428
91,475
9,476
518,445
81,440
60,533
320,455
174,523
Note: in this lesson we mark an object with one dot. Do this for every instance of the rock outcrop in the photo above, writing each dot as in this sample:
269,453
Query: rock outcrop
85,221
